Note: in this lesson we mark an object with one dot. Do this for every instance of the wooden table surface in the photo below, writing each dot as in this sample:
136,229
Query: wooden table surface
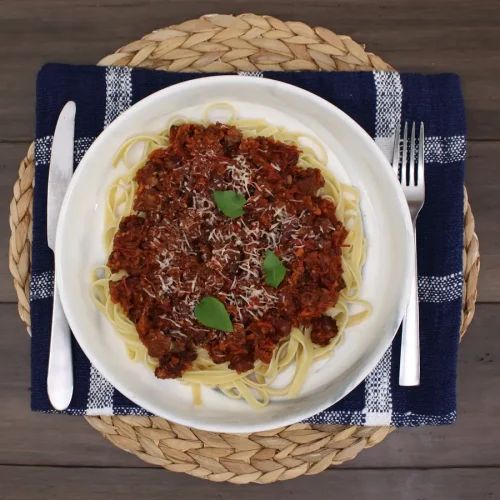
61,457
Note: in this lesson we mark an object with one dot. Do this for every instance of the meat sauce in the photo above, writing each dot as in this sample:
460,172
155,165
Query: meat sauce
176,248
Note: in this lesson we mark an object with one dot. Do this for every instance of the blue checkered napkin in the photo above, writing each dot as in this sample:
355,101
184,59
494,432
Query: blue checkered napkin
377,101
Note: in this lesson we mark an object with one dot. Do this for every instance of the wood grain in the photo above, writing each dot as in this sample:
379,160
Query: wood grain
10,156
483,182
69,441
84,483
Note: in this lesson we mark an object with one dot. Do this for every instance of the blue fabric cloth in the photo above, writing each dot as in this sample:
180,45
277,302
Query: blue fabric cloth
377,101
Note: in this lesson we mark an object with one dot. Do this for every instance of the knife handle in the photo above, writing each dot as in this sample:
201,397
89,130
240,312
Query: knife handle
60,372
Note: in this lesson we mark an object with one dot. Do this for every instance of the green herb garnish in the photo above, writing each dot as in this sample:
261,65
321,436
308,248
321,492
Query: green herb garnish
274,270
230,203
211,312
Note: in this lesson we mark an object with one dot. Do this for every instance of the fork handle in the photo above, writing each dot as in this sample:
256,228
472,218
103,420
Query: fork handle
409,367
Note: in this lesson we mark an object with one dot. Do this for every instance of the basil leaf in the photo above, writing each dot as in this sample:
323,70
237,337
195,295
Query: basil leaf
211,312
274,270
230,203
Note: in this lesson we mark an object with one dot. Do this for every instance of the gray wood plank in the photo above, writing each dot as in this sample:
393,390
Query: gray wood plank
424,36
483,182
405,484
481,179
37,439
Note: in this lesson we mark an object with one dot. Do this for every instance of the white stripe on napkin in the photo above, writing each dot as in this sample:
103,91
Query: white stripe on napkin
118,99
118,92
437,149
100,397
445,149
333,417
43,147
259,74
42,285
440,288
378,395
410,419
389,97
81,146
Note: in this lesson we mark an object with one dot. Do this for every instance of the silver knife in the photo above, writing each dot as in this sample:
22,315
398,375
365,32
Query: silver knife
60,372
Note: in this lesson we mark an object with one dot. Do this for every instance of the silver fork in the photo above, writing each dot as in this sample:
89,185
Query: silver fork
413,184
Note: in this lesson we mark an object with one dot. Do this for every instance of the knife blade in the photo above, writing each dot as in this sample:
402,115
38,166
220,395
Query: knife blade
60,369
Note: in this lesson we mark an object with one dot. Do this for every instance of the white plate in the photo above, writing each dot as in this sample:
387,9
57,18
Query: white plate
353,157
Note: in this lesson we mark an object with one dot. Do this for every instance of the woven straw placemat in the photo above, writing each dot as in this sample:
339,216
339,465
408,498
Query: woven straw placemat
222,43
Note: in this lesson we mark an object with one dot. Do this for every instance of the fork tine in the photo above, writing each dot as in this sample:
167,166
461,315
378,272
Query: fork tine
397,150
405,154
412,170
421,156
